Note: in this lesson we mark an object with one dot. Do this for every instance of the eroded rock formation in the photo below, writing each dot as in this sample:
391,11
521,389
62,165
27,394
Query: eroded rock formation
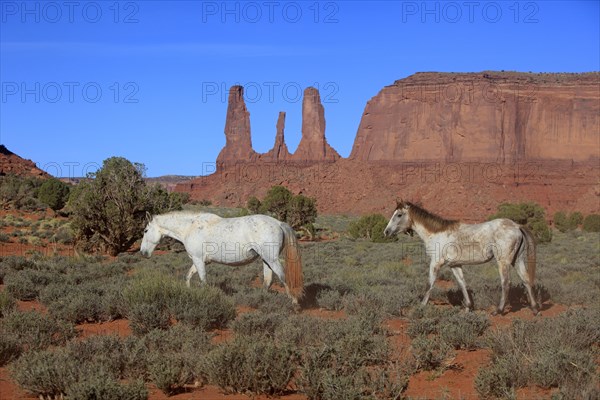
12,164
313,145
238,140
279,152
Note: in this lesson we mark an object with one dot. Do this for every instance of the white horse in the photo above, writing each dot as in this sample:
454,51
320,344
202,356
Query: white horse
453,244
232,241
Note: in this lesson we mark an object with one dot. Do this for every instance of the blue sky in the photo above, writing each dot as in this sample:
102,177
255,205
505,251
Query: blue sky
148,80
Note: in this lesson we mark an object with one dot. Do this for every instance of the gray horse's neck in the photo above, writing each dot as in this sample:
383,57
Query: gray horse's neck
421,231
173,227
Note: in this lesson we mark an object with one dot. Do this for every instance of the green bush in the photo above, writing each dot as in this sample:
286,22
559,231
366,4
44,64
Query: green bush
531,215
370,227
20,193
276,202
565,223
54,193
253,205
109,211
298,211
591,223
169,372
249,365
462,330
257,323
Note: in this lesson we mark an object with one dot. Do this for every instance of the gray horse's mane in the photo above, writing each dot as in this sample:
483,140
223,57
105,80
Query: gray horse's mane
432,222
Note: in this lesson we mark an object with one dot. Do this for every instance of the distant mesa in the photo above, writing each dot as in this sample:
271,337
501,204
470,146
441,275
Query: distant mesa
12,164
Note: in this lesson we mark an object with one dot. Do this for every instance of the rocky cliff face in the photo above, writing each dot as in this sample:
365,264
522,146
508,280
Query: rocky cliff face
313,145
238,141
495,116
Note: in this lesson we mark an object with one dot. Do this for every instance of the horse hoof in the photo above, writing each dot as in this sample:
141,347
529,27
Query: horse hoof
536,312
497,312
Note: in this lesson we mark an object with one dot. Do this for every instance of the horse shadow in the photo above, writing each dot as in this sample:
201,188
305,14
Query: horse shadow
311,292
517,297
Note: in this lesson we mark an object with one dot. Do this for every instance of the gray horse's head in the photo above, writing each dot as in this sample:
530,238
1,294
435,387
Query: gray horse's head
152,236
400,221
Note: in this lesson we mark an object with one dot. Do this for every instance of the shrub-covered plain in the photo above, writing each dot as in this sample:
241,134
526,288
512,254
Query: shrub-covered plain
275,349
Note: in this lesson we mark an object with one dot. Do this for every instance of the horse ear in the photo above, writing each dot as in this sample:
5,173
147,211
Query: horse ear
399,204
148,217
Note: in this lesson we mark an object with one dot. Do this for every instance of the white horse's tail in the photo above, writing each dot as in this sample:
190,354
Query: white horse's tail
529,247
293,262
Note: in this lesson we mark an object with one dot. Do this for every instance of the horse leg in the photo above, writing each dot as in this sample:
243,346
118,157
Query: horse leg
279,271
190,273
458,274
268,275
522,271
504,282
199,266
434,268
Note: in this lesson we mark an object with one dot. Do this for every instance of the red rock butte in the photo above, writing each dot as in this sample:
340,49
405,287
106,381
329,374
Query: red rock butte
460,143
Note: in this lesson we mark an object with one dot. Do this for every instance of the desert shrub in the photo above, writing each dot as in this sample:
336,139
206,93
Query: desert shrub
253,205
10,349
64,235
169,372
20,193
330,300
4,238
203,307
152,299
104,387
462,330
35,331
46,374
109,211
185,348
565,223
257,323
370,227
558,352
7,303
96,301
591,223
298,211
247,365
575,219
431,352
302,211
54,193
531,215
276,202
26,285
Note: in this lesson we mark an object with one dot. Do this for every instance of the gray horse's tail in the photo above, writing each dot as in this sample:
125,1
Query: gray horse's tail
530,249
293,263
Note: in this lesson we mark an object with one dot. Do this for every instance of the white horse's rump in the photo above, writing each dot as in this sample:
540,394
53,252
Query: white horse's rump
454,244
232,241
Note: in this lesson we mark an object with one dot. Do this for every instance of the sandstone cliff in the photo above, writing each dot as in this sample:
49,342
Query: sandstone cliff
494,116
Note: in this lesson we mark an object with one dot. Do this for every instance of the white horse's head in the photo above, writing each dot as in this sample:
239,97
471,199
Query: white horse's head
152,236
400,221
